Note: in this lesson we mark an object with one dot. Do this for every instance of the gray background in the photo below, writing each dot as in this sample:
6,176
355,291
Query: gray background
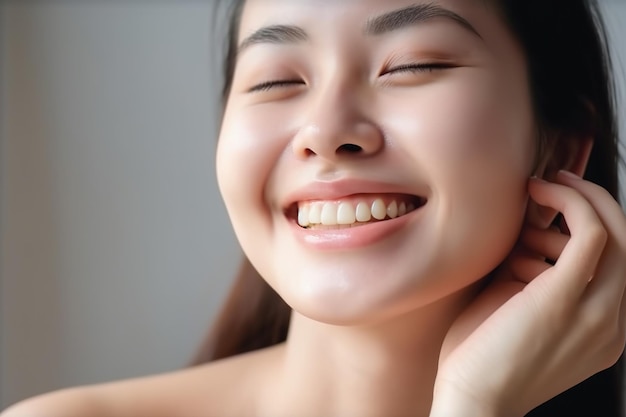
115,249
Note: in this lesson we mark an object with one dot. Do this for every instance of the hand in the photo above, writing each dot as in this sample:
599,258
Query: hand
553,315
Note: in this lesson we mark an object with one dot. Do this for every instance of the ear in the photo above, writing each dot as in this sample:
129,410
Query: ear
569,154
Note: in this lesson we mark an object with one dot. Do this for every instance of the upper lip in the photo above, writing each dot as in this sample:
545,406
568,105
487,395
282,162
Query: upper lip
335,190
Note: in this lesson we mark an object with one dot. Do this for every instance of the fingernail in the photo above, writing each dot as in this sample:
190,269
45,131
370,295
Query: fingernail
569,174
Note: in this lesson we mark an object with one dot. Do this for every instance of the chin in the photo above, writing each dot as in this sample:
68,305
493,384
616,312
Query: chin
365,305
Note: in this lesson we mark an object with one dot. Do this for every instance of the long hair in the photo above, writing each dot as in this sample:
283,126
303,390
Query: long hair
573,93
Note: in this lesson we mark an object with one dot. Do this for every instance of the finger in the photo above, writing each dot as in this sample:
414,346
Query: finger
612,216
547,243
526,268
606,289
578,260
606,207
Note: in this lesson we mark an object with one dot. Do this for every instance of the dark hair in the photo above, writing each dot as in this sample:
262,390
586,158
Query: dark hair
573,92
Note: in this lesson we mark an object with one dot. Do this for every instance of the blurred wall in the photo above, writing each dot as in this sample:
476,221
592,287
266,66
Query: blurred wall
115,247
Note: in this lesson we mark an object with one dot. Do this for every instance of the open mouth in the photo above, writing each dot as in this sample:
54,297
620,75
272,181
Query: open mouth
353,211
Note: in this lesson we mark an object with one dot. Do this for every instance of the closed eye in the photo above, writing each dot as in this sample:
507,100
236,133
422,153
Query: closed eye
268,85
417,68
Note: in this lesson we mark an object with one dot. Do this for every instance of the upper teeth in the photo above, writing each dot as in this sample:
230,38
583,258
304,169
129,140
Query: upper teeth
345,213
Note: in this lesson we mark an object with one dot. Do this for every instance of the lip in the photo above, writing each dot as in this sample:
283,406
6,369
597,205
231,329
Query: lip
353,237
336,190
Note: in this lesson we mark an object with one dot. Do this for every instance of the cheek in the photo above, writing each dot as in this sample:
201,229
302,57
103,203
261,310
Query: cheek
475,145
472,134
246,154
247,151
483,147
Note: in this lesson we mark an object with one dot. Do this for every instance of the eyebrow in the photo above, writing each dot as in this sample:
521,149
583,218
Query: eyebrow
276,34
388,22
412,15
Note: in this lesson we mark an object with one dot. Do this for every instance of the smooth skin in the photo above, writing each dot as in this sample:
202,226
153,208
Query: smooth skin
404,320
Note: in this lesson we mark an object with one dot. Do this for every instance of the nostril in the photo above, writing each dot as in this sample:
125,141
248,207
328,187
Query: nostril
349,148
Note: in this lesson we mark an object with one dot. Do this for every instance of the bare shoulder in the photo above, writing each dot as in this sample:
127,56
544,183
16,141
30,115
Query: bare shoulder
71,402
229,387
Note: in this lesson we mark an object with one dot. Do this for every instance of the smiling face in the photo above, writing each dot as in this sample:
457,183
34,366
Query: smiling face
373,156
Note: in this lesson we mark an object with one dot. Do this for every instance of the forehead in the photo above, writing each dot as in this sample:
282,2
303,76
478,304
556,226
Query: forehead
349,16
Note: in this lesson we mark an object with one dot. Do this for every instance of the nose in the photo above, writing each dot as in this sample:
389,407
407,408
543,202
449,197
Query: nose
335,127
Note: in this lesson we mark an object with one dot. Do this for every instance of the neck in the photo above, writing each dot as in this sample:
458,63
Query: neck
383,369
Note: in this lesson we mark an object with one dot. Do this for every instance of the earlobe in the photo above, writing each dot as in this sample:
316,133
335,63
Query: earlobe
569,154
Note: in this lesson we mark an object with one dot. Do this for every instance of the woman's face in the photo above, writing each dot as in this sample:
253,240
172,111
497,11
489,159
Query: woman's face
343,113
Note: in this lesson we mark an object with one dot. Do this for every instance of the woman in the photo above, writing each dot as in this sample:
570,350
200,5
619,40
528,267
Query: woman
405,175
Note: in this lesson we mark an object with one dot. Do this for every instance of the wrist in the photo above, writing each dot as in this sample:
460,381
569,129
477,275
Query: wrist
449,402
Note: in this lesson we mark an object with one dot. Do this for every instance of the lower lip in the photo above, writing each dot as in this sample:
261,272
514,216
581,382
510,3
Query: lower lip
352,237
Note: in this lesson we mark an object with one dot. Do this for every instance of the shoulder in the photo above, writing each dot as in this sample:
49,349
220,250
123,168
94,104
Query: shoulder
227,387
68,402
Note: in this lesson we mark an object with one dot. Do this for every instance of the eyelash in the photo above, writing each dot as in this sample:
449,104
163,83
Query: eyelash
415,68
412,68
268,85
